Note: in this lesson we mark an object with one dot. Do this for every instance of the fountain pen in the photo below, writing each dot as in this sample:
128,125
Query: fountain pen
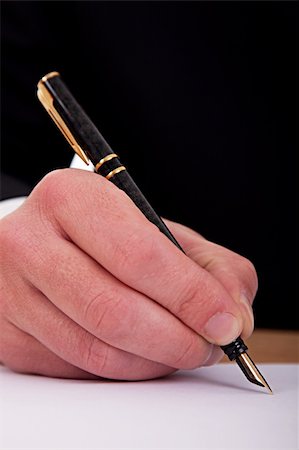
89,144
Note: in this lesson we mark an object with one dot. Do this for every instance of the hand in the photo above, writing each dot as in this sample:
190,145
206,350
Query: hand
91,288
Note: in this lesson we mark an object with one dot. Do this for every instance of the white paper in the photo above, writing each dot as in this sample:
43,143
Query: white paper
206,408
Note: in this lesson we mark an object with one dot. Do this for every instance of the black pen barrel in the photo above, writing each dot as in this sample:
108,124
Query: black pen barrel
98,150
124,181
83,129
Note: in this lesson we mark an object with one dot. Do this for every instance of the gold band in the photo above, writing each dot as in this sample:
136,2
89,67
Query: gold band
105,159
115,171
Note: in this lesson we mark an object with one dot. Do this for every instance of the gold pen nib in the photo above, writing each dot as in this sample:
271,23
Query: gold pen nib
251,371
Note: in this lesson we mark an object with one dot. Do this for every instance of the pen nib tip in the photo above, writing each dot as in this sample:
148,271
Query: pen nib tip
251,371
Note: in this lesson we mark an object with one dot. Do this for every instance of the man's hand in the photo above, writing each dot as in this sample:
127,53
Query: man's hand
91,288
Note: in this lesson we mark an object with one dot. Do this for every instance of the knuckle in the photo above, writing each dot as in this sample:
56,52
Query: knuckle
196,304
95,356
96,309
57,196
187,357
106,316
249,272
182,305
49,190
190,305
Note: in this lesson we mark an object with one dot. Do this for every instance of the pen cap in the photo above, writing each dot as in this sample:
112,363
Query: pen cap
72,120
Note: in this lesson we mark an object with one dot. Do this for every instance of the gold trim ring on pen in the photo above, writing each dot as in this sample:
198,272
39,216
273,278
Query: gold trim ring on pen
114,172
105,159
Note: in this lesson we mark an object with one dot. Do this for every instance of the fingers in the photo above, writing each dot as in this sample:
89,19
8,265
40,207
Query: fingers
24,354
236,273
216,356
74,345
111,311
104,223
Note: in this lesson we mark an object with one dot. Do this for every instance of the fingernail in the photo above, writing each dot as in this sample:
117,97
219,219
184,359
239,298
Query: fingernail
248,309
222,328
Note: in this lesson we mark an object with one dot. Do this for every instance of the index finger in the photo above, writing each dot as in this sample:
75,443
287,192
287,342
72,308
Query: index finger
104,222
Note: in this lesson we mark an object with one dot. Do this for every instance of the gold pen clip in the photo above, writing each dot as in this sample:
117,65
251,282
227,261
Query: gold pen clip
47,101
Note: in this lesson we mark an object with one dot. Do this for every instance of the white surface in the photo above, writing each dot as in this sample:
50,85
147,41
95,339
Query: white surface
9,205
78,163
207,408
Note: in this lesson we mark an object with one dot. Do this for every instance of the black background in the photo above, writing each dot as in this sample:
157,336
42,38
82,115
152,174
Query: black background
197,98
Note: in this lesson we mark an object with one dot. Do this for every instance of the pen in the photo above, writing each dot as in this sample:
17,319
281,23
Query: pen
89,144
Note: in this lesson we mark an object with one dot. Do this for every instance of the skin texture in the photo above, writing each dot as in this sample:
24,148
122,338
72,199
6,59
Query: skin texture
90,288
